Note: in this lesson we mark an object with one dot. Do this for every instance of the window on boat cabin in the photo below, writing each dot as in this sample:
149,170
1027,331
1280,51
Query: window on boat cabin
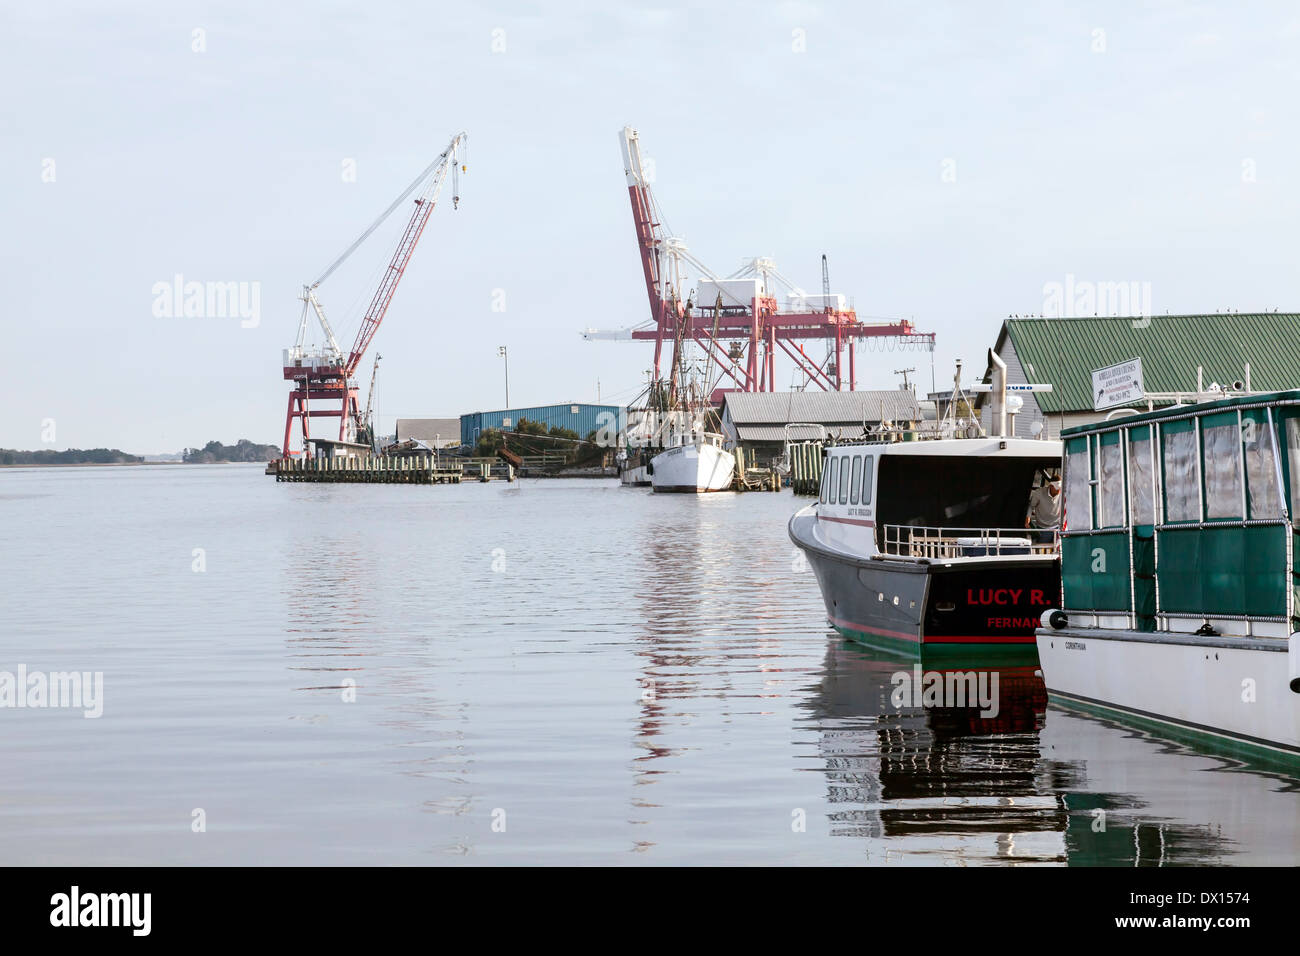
833,470
1143,476
868,466
1182,480
1110,480
954,492
1078,484
1293,462
1221,454
856,480
844,480
826,480
1263,494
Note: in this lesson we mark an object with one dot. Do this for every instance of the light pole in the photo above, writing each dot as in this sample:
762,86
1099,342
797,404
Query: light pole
501,350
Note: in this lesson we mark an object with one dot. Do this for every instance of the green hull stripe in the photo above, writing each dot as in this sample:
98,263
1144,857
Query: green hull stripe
1202,737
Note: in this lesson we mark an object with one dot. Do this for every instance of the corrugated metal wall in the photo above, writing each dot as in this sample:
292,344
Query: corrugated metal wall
579,418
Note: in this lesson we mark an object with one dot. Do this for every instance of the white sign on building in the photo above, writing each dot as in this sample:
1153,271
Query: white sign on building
1117,385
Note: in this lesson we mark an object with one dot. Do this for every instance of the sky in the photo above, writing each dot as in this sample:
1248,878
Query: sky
951,160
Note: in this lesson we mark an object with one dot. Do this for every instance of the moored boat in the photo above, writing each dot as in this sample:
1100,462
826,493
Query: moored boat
699,464
1178,578
924,544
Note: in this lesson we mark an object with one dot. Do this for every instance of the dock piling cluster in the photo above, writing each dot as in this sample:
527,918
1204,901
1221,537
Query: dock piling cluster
806,467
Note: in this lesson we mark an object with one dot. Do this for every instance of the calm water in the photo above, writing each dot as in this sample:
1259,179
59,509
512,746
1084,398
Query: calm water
545,672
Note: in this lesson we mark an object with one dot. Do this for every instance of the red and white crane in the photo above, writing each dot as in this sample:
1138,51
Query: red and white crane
740,309
325,374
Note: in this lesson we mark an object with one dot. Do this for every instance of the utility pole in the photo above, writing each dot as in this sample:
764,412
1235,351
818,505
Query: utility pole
907,386
501,350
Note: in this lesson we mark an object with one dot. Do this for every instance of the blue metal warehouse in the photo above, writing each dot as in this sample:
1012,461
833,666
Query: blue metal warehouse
580,418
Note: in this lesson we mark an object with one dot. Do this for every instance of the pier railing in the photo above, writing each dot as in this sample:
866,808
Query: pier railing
918,541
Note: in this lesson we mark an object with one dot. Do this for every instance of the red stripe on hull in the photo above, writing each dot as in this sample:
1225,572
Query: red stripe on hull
936,638
866,523
978,639
883,632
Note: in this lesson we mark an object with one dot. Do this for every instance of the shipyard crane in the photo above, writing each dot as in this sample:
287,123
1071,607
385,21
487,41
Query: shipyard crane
743,307
369,417
326,374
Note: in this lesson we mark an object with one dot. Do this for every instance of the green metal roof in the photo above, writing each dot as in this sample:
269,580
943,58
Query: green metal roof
1065,352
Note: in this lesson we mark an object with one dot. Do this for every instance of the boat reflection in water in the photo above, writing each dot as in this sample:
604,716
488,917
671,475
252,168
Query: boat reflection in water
930,780
934,775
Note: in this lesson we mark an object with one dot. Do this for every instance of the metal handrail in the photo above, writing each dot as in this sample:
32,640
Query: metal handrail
923,541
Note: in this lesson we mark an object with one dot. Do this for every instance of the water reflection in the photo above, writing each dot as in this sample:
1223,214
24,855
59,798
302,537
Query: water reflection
927,780
899,770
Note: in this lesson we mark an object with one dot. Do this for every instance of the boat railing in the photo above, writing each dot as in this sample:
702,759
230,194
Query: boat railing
920,541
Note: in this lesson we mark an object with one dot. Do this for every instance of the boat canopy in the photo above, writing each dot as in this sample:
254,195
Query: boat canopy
1185,515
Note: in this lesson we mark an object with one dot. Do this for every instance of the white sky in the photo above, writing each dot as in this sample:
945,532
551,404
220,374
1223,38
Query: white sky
225,165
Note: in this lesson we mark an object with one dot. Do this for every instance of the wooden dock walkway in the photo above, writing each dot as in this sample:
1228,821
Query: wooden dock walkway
406,470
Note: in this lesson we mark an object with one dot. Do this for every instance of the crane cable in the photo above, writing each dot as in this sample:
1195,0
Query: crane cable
428,171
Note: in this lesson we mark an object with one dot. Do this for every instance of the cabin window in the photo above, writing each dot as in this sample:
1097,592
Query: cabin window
1143,491
1221,443
1264,496
1182,484
1078,490
826,480
1293,462
1110,488
856,480
844,480
869,465
832,466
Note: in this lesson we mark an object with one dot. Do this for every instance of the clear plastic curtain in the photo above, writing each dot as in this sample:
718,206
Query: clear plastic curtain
1182,494
1222,471
1141,465
1261,470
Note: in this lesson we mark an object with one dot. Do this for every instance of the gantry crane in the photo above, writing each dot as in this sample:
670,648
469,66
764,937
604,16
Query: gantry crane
741,307
326,374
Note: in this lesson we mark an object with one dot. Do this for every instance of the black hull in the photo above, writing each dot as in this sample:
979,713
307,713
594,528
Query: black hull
914,605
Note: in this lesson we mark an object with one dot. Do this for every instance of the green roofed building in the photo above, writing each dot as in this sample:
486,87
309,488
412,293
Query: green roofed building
1065,352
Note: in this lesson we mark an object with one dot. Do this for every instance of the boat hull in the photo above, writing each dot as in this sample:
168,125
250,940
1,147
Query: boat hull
635,477
990,604
1230,693
692,469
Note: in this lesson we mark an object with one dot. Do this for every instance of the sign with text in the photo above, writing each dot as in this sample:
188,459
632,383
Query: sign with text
1117,385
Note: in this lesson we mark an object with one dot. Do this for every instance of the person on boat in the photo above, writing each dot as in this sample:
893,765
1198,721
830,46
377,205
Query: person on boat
1044,517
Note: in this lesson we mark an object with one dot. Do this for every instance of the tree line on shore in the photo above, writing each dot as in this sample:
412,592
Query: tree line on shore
214,451
71,456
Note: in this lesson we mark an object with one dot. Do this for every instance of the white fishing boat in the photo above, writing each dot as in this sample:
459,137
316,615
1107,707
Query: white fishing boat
686,452
1178,573
697,465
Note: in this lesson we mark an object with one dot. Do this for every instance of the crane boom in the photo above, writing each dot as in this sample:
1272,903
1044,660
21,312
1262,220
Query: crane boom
324,376
402,256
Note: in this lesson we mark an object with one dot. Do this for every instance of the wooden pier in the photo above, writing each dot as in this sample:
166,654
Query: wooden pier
378,469
748,477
